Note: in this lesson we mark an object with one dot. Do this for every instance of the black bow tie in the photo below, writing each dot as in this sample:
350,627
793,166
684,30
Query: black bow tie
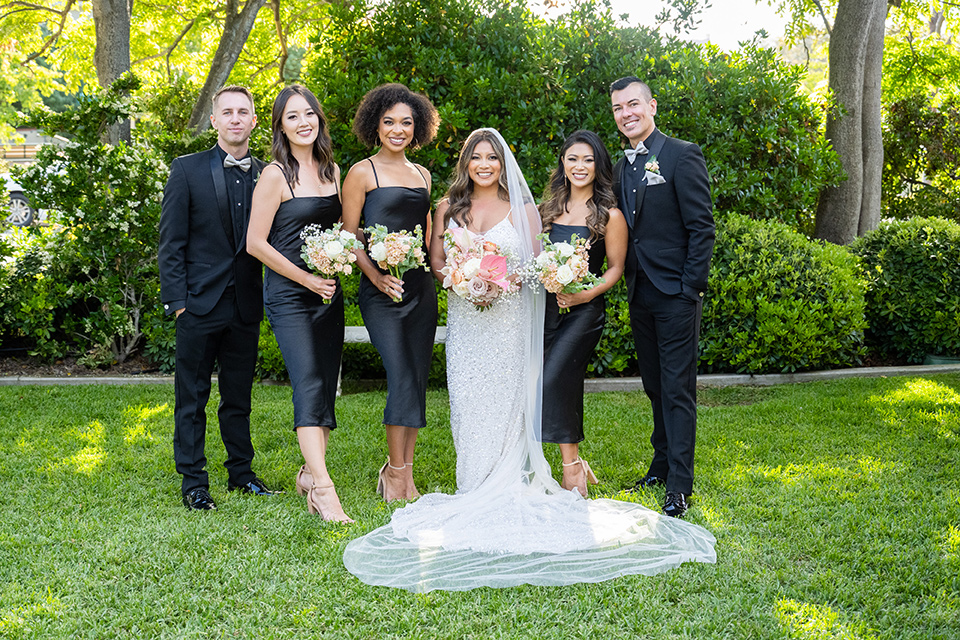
243,163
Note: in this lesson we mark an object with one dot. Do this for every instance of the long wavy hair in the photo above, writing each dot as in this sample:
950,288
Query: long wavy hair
461,187
557,196
322,146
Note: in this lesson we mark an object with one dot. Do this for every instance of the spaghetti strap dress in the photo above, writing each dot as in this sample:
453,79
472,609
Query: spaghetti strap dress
569,340
309,333
402,332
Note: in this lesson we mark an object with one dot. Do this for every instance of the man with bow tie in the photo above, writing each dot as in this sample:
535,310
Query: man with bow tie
663,189
215,290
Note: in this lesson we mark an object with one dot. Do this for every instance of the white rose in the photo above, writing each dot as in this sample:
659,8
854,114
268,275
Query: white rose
564,275
346,237
460,288
575,263
333,249
543,259
564,249
471,268
378,252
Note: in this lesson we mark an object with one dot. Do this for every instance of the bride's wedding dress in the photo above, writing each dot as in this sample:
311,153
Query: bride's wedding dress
510,523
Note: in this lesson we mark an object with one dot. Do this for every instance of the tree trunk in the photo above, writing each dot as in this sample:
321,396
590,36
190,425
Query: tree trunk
111,19
856,60
236,30
872,127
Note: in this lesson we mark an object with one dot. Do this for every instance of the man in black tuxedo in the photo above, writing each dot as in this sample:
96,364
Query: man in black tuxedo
663,190
216,291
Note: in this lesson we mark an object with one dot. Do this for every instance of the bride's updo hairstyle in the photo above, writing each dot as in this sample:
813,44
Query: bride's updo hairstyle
557,197
461,188
379,100
322,146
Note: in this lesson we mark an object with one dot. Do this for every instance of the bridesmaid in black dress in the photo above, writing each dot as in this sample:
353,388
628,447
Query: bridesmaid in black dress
389,190
579,201
299,188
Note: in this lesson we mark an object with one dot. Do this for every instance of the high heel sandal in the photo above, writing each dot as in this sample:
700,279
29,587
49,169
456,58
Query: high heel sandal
416,494
304,481
328,494
381,482
588,475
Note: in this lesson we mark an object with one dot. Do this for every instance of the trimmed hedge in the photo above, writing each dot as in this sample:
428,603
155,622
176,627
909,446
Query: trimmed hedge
912,269
780,302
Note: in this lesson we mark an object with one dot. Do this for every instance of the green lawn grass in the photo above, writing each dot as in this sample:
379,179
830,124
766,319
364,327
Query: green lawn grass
836,508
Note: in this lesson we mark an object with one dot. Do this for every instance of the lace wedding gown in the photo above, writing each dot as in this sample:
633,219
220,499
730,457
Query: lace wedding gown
510,523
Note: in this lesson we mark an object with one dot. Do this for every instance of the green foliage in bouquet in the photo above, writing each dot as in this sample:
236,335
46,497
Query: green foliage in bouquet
912,268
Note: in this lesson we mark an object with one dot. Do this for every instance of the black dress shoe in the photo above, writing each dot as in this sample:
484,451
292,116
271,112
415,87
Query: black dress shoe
255,487
199,500
648,481
675,504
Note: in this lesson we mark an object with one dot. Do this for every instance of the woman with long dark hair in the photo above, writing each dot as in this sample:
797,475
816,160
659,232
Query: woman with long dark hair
300,188
579,202
400,315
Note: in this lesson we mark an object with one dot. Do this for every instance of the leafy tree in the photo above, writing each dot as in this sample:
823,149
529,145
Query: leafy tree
497,64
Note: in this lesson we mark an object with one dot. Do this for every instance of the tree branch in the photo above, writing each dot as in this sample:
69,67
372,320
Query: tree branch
281,36
52,40
823,14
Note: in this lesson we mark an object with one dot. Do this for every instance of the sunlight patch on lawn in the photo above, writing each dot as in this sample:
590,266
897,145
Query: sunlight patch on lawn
863,468
951,544
17,622
136,419
817,622
88,459
924,402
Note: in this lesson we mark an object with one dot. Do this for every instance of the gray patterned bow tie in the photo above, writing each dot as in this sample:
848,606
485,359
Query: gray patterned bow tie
243,163
632,154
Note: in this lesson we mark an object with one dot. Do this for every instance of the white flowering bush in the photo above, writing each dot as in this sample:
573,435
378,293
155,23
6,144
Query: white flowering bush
105,201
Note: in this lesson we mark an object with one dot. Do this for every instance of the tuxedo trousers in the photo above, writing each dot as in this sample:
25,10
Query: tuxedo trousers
216,338
666,333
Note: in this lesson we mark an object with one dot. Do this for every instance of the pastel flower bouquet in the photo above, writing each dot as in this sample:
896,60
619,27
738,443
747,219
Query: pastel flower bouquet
564,267
476,270
328,252
396,252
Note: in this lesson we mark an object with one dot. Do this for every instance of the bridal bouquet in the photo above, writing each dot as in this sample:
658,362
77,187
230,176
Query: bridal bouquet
328,252
564,267
476,270
396,252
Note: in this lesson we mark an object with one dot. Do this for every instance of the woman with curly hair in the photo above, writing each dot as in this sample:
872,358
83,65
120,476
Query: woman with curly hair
299,188
400,315
579,202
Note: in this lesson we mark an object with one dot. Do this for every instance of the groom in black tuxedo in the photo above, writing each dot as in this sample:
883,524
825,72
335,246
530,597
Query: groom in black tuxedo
664,192
215,289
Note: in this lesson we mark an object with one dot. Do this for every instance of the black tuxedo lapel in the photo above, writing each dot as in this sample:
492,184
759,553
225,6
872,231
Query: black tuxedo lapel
220,187
654,150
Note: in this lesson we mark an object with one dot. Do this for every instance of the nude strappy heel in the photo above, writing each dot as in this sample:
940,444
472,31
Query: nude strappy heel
588,475
381,483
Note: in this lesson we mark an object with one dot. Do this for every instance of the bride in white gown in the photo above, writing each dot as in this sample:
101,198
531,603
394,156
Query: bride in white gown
509,523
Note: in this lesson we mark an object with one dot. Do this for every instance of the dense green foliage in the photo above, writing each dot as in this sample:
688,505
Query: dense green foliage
494,63
913,293
835,507
105,201
921,147
779,302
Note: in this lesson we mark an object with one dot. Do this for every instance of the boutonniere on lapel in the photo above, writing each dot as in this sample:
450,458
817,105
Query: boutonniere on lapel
652,175
256,176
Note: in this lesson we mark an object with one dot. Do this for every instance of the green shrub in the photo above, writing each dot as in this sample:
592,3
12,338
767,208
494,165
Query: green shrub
912,268
106,198
921,158
37,300
779,302
495,63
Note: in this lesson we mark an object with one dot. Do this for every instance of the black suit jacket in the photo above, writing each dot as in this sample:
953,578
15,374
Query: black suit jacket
198,252
671,224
